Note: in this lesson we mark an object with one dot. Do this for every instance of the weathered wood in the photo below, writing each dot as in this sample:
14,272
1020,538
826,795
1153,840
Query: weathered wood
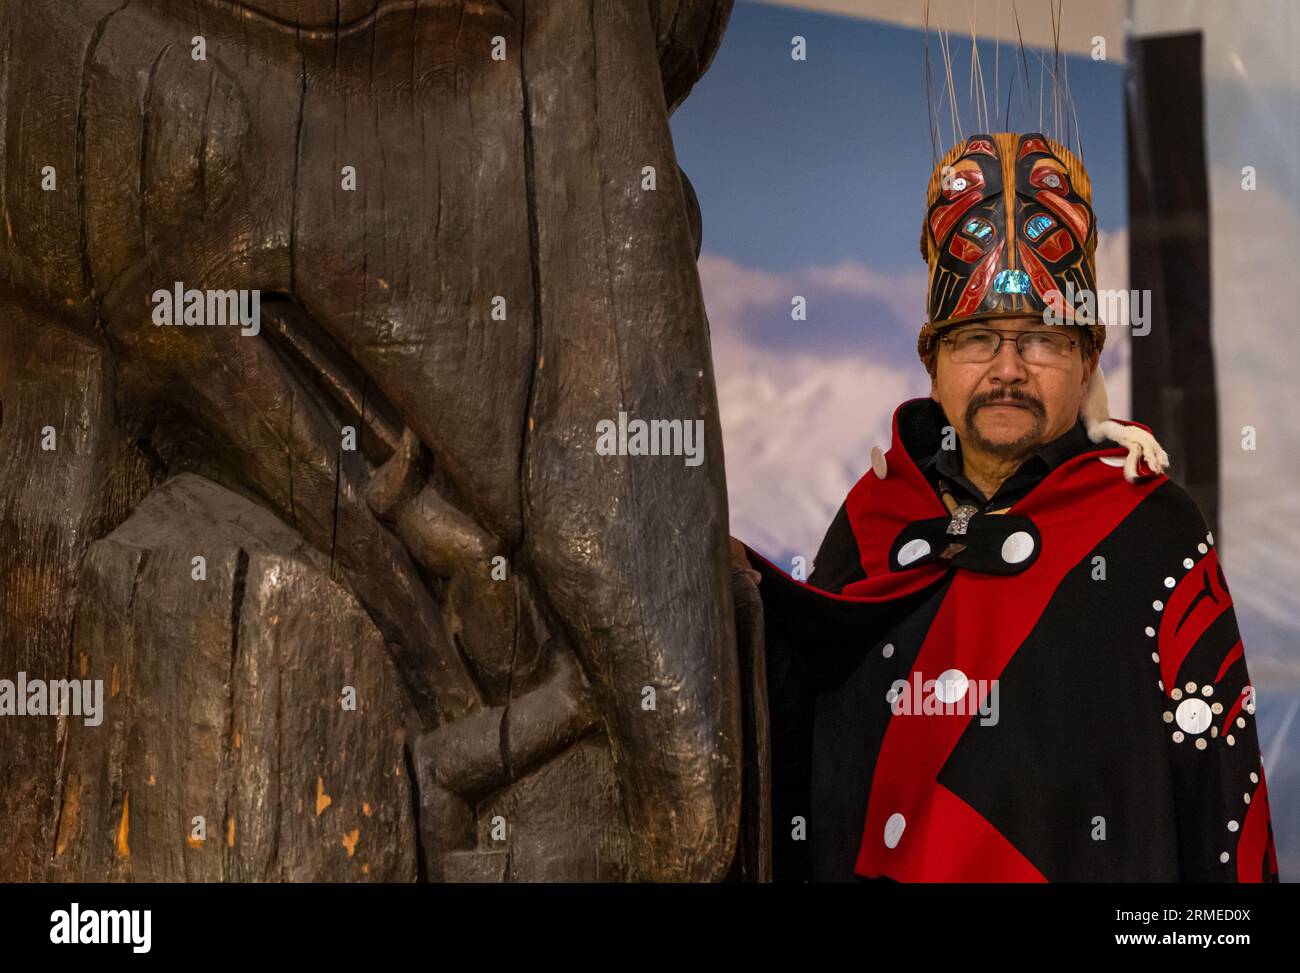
754,854
225,701
502,277
52,504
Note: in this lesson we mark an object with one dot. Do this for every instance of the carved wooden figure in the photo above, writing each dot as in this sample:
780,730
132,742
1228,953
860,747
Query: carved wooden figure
365,600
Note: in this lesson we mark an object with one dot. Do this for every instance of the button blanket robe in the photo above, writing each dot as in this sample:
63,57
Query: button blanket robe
1059,694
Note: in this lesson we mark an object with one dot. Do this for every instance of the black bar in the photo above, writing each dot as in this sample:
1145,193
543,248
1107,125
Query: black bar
1169,253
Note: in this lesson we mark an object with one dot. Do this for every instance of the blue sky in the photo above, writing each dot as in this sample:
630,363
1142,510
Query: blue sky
810,162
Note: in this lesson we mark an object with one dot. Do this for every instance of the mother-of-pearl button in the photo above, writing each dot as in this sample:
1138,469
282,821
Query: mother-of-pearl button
951,685
894,829
916,548
878,462
1017,547
1193,715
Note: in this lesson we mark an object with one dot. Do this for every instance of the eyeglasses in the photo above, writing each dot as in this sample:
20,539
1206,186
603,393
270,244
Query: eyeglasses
976,346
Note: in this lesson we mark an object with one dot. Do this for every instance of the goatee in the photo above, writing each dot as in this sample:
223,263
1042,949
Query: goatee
1013,449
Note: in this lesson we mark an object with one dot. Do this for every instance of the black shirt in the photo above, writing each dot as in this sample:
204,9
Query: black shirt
945,467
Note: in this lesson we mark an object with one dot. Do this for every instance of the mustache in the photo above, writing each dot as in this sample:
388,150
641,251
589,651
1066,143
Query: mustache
1009,397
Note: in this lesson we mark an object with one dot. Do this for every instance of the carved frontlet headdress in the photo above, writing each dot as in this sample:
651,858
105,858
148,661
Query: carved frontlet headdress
1009,230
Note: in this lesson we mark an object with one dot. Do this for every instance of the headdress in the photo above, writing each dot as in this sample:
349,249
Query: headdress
1009,230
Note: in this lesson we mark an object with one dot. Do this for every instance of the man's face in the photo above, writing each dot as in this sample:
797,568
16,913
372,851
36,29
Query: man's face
1008,407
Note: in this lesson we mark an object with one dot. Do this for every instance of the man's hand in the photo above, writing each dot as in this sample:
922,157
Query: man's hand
740,561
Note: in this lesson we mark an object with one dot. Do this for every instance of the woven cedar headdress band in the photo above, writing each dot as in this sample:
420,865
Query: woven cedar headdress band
1008,225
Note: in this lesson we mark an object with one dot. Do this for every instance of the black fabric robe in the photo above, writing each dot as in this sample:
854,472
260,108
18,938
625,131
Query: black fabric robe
1094,614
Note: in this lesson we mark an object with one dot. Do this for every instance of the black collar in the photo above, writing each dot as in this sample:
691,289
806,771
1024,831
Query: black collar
947,463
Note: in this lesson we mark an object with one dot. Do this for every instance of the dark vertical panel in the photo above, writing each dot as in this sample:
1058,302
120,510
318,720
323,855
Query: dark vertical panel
1169,254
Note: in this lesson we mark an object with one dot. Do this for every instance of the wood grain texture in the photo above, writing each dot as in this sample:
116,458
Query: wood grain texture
224,702
502,278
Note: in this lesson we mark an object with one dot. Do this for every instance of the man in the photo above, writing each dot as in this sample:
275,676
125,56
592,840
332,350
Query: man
1017,657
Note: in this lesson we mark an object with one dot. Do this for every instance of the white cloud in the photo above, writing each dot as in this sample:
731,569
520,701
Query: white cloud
798,427
798,433
1255,359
